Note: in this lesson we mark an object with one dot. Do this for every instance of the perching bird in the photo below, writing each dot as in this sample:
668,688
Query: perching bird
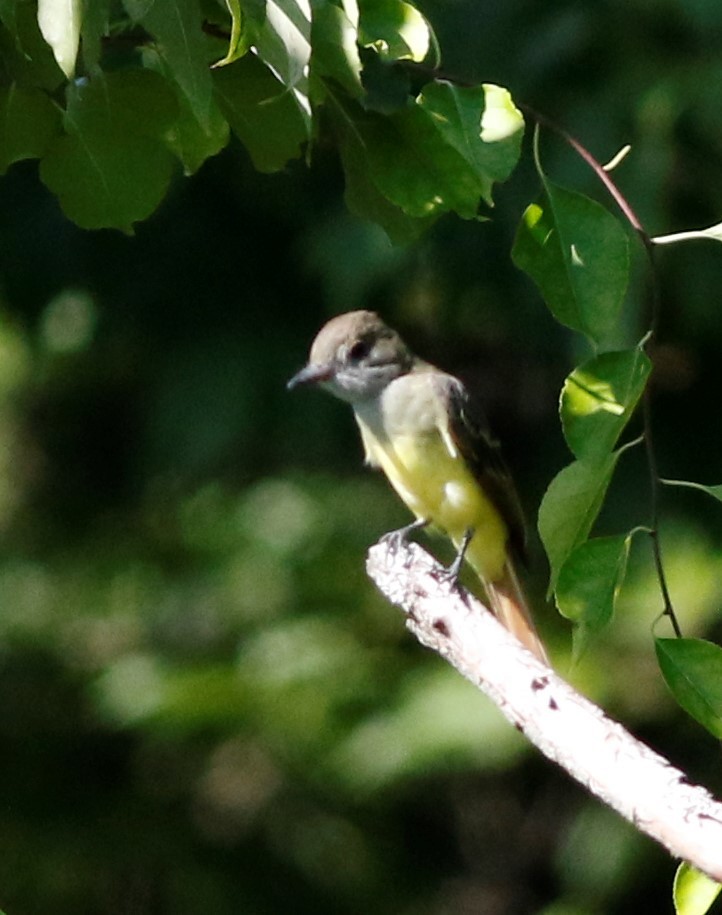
425,431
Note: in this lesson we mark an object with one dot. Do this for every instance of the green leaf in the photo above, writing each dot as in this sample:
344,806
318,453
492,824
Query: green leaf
240,39
138,9
283,42
363,197
105,180
265,116
191,141
482,124
577,253
570,507
598,400
335,51
8,15
386,85
588,585
28,122
177,26
26,56
254,11
693,891
96,20
194,142
396,30
112,169
714,491
59,22
692,669
127,101
430,158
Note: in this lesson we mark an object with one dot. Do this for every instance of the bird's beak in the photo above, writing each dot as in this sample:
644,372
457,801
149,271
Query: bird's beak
310,374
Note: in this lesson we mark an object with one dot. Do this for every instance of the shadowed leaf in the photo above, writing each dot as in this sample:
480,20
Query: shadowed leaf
570,507
692,669
588,585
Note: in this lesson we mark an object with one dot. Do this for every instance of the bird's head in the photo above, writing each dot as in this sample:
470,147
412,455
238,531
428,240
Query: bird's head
355,356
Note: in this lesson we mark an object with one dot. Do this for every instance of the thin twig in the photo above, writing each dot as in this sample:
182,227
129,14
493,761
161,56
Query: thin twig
596,167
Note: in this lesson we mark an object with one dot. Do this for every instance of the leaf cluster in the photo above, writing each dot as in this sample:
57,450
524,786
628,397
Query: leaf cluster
578,255
113,100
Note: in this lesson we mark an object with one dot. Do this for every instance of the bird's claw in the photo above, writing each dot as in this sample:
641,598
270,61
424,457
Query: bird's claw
450,575
394,540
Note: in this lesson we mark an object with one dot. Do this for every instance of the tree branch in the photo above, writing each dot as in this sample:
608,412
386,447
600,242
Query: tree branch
570,730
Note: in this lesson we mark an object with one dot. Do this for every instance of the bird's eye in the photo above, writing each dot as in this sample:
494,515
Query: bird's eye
359,350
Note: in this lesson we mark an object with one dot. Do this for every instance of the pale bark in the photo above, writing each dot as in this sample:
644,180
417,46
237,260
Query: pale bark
598,752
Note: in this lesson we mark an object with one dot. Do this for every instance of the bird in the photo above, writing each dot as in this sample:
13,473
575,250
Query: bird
428,433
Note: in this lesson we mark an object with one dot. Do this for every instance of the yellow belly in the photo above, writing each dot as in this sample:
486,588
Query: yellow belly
440,488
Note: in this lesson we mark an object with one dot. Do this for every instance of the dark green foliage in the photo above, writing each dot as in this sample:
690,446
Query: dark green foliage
205,705
277,69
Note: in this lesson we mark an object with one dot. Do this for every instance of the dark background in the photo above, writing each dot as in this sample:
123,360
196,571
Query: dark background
205,705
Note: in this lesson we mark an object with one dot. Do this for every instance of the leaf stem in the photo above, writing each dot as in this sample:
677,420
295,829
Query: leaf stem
597,168
654,512
646,240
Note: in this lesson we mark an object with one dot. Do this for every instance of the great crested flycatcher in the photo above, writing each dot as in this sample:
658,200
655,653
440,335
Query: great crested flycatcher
425,431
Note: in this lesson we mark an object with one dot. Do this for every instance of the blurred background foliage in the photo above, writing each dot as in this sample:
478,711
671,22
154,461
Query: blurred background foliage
206,707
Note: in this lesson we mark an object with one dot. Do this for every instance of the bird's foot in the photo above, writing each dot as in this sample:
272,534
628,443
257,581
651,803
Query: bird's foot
394,540
451,574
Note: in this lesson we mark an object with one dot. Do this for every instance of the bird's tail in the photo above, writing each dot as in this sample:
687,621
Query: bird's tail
511,609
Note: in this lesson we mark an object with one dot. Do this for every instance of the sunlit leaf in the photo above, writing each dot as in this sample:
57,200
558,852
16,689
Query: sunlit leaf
692,669
28,122
59,22
239,41
335,49
578,255
395,29
598,399
283,41
693,891
588,585
481,123
570,507
430,158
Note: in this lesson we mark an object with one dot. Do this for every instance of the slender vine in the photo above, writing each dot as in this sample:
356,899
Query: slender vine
655,301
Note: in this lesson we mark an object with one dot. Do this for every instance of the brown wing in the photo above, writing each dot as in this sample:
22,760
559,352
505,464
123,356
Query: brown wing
470,433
